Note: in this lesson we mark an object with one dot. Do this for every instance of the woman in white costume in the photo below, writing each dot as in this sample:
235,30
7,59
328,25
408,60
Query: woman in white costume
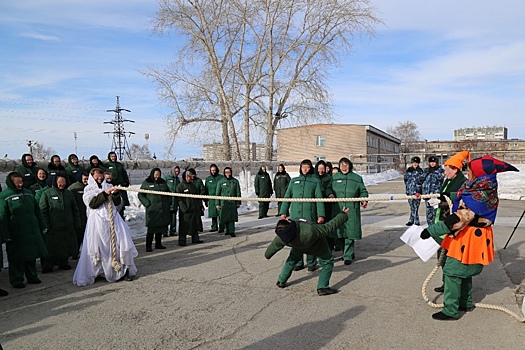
95,256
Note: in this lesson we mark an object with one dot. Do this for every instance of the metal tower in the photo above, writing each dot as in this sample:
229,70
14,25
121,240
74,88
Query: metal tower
120,143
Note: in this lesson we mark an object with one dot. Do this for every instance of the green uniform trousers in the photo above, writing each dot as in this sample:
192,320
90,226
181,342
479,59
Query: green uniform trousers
458,292
18,269
263,209
216,224
173,222
326,262
229,226
348,250
458,285
311,260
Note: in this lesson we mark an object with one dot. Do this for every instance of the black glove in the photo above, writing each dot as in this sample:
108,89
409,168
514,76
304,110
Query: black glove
451,220
425,234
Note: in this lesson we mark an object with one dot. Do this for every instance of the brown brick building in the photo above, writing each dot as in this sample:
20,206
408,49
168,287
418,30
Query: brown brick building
365,145
512,150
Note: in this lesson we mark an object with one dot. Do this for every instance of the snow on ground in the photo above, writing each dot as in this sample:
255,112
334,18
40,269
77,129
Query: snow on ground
511,186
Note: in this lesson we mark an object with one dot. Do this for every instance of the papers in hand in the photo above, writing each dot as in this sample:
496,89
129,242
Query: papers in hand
424,248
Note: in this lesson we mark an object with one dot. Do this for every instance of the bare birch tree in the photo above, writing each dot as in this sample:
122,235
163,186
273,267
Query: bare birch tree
265,59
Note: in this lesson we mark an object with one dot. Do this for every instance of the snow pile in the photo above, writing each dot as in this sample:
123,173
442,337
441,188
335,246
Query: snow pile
511,185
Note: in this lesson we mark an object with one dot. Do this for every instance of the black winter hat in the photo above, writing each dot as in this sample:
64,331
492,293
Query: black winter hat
415,160
433,159
286,230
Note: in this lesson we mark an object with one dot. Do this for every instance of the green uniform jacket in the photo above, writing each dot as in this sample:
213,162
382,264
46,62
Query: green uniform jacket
349,186
211,190
120,178
60,212
78,192
74,172
307,236
39,184
280,184
27,172
172,182
157,206
263,184
100,165
449,189
200,187
304,186
228,188
39,193
53,170
21,224
189,209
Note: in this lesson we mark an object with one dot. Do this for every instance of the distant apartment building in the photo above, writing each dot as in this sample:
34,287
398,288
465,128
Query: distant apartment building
512,150
213,152
362,144
482,133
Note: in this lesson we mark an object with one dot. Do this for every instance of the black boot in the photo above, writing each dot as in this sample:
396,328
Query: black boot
149,241
158,239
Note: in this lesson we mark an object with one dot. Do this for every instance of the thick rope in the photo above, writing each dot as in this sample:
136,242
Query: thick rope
115,264
480,305
256,199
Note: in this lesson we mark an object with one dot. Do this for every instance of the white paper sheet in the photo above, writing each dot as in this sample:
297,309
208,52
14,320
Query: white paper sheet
424,248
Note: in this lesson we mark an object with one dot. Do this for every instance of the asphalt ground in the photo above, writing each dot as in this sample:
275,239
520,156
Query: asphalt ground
222,295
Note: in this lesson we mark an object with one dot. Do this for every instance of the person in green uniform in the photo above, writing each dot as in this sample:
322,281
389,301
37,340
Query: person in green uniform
211,190
454,179
172,179
281,181
62,217
228,187
22,226
55,167
347,184
95,163
119,178
74,169
41,178
263,189
189,210
306,238
306,185
28,170
78,192
202,190
157,208
324,178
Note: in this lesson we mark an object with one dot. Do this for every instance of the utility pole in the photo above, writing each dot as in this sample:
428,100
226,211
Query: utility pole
120,143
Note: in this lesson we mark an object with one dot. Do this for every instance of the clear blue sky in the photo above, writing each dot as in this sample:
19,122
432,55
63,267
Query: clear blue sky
441,64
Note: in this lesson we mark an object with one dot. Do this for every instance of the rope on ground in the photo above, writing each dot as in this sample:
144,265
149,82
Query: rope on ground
115,264
480,305
256,199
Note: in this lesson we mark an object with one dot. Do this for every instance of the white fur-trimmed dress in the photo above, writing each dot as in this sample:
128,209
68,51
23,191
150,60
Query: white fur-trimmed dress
95,256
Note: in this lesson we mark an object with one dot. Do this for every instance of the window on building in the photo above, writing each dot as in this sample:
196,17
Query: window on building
318,158
321,141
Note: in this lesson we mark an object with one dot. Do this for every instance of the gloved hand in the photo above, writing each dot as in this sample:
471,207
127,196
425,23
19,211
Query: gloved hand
425,234
417,195
451,220
434,202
